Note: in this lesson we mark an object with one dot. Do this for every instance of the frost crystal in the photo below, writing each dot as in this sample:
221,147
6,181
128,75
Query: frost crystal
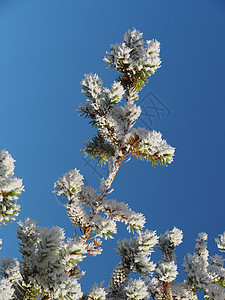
147,240
116,93
134,53
104,227
6,164
6,289
88,195
196,265
97,293
75,252
175,236
10,268
150,144
166,271
10,188
136,289
119,211
92,85
70,184
181,291
45,258
221,242
77,213
215,292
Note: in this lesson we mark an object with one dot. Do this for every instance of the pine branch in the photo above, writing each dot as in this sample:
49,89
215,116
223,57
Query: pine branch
31,293
99,149
166,291
144,153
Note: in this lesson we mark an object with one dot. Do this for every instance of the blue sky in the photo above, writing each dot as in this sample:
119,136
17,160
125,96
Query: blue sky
47,46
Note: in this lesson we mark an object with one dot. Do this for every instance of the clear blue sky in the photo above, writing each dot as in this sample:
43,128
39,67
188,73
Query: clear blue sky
47,46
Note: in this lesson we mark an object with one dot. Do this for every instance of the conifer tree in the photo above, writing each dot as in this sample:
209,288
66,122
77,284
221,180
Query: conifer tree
49,268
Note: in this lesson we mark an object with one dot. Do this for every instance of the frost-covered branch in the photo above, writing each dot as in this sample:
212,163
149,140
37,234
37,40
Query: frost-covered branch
49,268
10,188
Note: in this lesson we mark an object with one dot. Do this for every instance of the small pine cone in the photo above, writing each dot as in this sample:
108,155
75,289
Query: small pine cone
119,277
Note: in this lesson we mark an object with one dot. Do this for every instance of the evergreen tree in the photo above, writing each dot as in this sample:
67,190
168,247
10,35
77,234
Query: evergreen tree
49,268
